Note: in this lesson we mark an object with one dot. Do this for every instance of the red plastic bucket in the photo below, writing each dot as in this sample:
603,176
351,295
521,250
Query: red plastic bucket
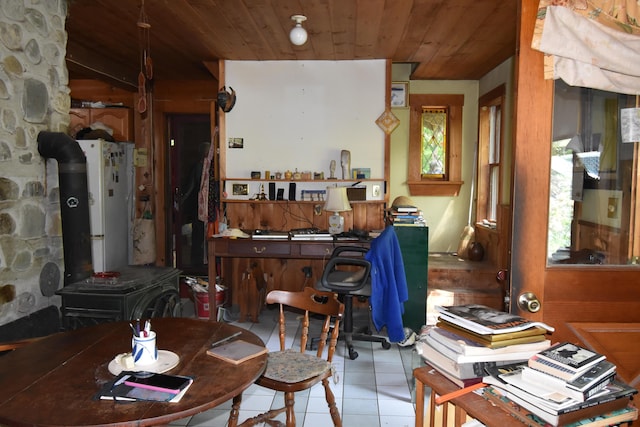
201,300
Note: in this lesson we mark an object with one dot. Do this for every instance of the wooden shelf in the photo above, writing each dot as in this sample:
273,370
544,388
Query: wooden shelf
304,180
313,202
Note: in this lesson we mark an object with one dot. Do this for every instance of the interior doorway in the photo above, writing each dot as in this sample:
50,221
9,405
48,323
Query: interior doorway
189,139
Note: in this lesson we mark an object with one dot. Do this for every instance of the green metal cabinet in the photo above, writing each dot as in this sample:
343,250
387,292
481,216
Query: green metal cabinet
414,245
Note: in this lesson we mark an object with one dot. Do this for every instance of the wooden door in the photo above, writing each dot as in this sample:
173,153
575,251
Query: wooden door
598,306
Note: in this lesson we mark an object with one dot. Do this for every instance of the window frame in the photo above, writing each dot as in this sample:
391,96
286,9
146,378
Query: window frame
495,97
451,184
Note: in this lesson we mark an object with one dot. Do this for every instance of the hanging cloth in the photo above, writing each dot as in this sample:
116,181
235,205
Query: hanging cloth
593,44
207,183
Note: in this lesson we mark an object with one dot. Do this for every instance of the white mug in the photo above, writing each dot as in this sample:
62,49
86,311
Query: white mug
144,349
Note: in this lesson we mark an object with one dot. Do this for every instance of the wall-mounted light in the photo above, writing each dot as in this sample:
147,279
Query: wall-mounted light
630,124
298,35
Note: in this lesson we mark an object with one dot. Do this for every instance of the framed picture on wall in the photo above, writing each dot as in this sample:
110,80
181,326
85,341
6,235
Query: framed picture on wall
399,94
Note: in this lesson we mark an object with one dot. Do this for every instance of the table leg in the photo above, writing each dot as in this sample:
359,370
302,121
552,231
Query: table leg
419,403
235,411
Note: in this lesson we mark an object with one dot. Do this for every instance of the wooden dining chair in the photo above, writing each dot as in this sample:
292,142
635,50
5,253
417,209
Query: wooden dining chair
291,370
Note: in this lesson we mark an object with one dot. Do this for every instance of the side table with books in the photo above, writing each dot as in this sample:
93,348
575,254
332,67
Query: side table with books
467,404
509,361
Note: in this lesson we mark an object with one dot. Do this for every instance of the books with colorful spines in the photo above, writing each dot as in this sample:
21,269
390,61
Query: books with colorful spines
581,388
486,357
546,396
523,415
462,383
508,378
496,340
486,320
615,396
468,347
615,417
565,360
458,370
404,208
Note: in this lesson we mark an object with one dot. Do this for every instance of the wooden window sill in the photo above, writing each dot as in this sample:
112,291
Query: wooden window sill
434,188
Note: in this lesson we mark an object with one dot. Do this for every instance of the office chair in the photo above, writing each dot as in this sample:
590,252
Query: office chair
293,370
348,276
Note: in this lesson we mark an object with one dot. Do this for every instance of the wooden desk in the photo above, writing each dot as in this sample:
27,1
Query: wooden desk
228,249
53,381
469,404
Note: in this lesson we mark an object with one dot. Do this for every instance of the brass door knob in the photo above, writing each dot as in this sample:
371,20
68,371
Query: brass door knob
529,302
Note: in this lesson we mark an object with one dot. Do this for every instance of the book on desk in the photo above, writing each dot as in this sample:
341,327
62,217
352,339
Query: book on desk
124,388
236,351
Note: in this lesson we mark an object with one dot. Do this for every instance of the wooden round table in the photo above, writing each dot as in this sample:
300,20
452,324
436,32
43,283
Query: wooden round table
53,381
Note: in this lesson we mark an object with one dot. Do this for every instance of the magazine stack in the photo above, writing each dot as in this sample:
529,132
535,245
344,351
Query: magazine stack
563,385
406,215
469,338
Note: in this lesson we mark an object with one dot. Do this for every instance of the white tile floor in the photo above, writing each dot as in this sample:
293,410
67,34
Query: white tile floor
375,390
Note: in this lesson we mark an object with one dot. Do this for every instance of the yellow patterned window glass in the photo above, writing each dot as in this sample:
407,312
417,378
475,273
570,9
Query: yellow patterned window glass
434,143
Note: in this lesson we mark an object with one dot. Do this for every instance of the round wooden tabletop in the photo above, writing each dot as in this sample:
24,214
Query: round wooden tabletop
53,381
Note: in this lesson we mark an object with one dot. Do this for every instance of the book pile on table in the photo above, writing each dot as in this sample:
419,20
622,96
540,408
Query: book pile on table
539,384
565,384
407,215
469,338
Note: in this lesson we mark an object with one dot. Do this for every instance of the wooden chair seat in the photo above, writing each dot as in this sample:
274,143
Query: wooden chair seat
293,370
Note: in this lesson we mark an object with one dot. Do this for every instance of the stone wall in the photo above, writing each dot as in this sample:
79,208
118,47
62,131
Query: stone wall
34,96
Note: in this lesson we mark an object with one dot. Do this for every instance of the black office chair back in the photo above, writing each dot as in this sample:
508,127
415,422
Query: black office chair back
345,274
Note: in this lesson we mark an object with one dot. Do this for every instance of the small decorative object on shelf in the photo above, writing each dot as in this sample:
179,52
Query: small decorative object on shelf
332,169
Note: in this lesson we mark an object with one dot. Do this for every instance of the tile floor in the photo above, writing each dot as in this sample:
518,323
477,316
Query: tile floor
376,389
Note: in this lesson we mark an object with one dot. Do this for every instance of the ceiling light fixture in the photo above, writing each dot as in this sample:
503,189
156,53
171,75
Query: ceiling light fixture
298,35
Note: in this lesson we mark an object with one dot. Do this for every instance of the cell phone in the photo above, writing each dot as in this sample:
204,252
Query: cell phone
158,382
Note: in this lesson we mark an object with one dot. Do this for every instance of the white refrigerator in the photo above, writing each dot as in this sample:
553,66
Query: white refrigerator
109,177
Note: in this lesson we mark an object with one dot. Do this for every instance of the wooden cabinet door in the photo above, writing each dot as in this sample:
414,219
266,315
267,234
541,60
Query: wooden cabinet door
598,306
79,118
118,119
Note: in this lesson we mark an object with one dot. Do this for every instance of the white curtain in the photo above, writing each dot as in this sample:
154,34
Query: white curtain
593,44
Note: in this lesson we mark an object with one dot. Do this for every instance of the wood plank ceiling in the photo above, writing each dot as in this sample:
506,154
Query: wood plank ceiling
442,39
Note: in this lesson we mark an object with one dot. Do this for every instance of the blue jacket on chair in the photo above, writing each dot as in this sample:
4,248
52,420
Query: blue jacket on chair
388,284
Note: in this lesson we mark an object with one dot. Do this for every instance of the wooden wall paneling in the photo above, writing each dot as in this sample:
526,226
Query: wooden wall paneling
291,215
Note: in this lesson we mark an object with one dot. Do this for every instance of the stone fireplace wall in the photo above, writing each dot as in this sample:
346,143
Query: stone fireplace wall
34,97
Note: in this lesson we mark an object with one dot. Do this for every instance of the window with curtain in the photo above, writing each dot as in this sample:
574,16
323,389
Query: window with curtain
591,43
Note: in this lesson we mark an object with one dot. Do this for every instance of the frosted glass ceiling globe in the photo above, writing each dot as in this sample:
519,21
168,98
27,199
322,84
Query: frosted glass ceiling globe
298,35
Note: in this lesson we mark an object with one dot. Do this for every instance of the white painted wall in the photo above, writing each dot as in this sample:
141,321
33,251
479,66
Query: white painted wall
301,114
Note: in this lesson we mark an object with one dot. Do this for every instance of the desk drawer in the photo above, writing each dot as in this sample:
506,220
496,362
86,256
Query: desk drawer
260,249
316,249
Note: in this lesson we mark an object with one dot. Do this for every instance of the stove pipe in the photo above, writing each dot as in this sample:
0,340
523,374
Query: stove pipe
74,202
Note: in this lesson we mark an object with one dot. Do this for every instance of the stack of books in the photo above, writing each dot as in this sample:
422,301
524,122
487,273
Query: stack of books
467,339
565,384
407,215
